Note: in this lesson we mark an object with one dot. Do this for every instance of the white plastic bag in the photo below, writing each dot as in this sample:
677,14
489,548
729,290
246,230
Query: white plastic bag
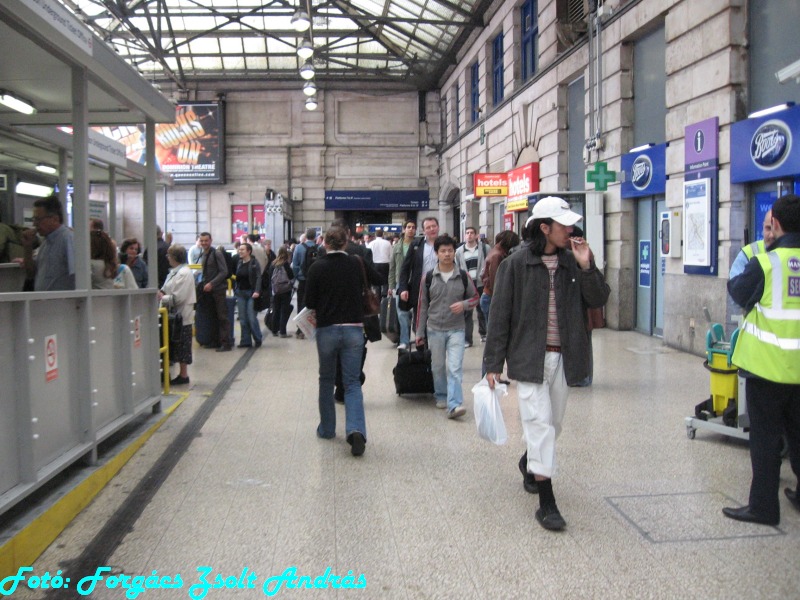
488,416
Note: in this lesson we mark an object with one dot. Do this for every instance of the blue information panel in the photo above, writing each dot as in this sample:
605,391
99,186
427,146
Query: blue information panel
645,263
371,200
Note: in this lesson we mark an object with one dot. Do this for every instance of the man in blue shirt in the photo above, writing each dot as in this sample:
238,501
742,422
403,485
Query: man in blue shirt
53,269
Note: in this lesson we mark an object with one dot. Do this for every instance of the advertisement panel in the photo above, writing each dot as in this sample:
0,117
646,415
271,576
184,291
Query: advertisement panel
191,150
490,184
522,181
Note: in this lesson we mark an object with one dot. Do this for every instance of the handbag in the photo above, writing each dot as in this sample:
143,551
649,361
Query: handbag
261,303
175,326
369,299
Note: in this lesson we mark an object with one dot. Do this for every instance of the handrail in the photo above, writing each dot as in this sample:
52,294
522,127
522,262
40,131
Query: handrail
164,349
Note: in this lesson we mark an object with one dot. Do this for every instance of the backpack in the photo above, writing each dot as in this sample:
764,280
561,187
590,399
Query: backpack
312,254
429,279
230,261
280,280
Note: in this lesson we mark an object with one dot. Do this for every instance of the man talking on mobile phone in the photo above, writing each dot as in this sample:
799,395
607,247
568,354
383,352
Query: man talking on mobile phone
538,329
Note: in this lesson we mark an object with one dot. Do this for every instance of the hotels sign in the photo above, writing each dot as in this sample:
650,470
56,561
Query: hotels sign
490,184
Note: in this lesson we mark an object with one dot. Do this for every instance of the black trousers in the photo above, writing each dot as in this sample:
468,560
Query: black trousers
468,321
774,410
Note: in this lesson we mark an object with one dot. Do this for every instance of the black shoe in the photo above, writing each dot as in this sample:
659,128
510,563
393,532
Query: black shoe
244,346
747,515
224,348
528,479
179,380
550,518
793,497
258,344
358,443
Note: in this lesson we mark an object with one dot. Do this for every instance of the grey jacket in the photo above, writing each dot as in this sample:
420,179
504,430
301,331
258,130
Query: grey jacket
483,251
518,315
433,308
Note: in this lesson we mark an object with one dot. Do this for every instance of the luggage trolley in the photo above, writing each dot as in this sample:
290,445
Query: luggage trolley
725,411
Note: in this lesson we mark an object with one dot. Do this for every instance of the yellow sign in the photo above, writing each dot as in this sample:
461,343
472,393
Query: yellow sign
517,204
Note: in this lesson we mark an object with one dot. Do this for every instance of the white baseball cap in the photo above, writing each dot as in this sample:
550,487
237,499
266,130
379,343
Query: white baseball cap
553,207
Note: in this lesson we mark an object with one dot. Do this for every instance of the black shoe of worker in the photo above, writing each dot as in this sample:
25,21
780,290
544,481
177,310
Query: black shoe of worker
746,515
528,479
179,380
793,497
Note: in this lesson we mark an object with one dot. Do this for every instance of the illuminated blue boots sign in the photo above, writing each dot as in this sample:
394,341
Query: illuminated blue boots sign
766,147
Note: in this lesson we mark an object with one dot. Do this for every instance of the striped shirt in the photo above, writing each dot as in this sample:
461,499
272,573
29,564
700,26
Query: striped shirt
553,336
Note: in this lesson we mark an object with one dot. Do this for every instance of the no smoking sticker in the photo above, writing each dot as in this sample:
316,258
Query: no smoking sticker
50,358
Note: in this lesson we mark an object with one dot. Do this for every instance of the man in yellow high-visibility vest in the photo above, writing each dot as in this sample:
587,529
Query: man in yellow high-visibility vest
768,354
750,250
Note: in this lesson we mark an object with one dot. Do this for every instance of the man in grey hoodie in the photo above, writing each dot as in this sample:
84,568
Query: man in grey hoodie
445,293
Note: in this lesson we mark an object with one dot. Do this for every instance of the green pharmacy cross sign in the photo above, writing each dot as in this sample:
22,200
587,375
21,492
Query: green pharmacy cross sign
600,176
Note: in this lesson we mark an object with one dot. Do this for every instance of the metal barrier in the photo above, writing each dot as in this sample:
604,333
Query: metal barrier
75,367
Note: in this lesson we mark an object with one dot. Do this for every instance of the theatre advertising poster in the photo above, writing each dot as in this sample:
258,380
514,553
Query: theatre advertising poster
191,149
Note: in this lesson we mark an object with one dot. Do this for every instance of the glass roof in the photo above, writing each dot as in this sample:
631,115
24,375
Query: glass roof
411,42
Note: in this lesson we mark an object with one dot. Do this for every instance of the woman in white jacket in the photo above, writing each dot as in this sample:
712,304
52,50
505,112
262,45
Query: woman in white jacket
178,295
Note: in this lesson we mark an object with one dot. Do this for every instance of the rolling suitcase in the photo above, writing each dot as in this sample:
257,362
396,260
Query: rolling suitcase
230,303
205,323
390,326
413,375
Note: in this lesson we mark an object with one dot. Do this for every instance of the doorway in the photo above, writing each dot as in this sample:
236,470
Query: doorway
650,267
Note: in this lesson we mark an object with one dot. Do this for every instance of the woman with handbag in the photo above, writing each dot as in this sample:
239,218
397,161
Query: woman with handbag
281,291
178,296
247,290
335,291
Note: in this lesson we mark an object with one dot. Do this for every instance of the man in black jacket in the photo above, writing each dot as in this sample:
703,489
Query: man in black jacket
420,258
213,288
538,329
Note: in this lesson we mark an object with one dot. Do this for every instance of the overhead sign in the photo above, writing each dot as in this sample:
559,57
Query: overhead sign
63,23
645,172
490,184
377,200
765,148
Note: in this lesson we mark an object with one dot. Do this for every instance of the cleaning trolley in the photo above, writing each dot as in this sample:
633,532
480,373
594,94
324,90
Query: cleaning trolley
725,410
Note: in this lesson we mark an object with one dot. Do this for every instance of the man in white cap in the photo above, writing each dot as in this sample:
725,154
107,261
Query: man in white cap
538,329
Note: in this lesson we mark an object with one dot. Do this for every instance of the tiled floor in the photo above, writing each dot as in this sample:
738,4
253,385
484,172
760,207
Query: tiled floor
431,510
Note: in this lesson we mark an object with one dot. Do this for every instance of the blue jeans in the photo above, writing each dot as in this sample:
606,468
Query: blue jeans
347,343
447,364
404,318
248,318
485,302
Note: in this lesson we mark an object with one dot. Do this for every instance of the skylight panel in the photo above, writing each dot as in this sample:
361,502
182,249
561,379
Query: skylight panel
256,63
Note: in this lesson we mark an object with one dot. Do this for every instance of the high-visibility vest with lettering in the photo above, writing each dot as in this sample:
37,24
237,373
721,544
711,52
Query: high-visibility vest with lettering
754,249
769,338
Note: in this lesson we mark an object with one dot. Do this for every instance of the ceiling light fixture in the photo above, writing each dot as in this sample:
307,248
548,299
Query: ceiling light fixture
307,70
33,189
300,20
43,168
311,103
310,88
305,50
16,103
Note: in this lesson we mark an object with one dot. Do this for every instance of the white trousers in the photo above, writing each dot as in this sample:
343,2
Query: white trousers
541,408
